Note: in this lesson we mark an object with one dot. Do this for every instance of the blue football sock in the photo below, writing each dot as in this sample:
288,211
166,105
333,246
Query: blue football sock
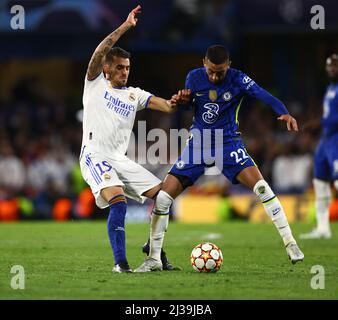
117,214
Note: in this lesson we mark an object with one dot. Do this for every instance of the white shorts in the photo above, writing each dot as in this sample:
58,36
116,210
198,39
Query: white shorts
100,172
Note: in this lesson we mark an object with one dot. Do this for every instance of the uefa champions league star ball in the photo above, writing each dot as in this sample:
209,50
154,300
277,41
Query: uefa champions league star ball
206,257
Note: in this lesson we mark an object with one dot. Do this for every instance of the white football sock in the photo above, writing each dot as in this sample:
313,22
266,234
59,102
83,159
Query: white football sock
274,210
323,198
159,223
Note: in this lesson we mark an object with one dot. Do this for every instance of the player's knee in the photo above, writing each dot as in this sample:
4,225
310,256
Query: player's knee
110,192
322,188
163,203
263,191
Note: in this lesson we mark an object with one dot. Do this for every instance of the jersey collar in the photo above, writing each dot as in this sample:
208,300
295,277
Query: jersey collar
118,88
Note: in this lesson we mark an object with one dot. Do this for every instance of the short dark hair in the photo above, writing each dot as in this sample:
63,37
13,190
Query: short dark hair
116,52
217,54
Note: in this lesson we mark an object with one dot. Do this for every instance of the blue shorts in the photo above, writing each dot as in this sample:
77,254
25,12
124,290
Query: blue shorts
326,159
231,158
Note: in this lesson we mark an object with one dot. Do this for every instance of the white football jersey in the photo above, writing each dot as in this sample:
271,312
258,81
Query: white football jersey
109,115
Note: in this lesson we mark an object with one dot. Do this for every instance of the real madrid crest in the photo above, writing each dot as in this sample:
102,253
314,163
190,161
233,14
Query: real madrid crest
212,95
106,176
227,96
132,97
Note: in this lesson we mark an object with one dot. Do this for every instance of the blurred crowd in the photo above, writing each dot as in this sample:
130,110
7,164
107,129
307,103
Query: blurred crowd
39,142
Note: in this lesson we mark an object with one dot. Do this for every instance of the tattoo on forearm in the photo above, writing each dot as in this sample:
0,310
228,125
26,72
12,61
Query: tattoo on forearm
102,49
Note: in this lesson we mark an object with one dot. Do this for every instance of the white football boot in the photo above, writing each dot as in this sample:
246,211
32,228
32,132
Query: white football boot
149,265
316,234
294,252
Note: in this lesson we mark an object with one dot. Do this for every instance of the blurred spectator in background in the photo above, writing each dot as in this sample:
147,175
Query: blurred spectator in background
53,167
296,160
12,171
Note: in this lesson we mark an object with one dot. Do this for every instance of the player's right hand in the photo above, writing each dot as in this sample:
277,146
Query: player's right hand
131,19
291,122
183,96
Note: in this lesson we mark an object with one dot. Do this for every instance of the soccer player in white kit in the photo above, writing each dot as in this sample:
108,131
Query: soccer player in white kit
108,119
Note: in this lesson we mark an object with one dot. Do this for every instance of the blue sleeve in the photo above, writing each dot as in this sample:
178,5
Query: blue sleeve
252,89
188,82
332,120
189,85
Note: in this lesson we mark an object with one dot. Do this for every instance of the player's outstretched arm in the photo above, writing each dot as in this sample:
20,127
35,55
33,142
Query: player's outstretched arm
95,64
291,122
160,104
276,104
169,106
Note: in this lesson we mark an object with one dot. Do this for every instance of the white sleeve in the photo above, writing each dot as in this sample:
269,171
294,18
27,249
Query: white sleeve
143,98
91,83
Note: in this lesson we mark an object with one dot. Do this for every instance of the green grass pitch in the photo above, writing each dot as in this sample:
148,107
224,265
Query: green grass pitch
73,260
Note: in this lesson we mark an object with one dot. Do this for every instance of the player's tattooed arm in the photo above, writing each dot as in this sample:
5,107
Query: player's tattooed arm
95,64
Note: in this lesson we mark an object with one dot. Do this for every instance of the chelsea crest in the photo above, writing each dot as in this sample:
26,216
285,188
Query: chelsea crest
227,96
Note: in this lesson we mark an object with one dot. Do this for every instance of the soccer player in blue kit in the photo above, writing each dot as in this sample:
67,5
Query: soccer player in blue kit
216,92
326,155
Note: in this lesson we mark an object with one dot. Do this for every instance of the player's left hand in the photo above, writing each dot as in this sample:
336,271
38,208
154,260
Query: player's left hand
291,122
131,19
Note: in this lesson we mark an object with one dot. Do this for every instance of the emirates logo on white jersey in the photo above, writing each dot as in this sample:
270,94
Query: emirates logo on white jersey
118,106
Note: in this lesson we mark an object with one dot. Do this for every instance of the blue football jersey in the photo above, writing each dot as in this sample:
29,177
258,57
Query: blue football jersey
216,106
330,111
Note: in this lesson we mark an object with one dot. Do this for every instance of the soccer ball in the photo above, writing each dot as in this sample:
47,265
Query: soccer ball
206,257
